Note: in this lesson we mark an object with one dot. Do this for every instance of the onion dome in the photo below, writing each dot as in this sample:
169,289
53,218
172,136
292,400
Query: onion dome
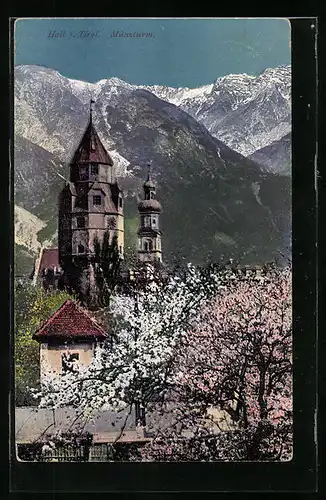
149,206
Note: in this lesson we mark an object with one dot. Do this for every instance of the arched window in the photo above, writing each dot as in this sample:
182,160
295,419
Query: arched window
152,195
148,245
81,248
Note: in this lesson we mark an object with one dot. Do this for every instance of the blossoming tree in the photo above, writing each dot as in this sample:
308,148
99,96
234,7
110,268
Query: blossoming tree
135,366
235,367
211,351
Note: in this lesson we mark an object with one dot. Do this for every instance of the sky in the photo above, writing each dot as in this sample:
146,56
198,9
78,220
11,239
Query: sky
179,52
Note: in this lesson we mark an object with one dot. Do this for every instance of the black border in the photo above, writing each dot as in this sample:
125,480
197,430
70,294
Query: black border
299,475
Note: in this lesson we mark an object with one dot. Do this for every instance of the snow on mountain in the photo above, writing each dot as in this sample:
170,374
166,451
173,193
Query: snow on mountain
245,112
39,92
85,90
180,95
263,102
121,164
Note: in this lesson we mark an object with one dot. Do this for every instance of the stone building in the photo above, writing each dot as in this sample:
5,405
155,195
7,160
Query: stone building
90,205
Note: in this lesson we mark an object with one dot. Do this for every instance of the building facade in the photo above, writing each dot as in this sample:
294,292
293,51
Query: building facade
90,205
149,233
67,340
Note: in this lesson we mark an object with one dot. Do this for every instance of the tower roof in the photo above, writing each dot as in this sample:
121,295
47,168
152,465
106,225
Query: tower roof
149,183
149,206
91,149
70,321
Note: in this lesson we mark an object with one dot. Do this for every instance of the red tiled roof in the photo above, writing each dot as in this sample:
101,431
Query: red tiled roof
91,149
49,259
70,320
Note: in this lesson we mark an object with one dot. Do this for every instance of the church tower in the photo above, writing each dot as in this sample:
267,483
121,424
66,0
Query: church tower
90,204
149,234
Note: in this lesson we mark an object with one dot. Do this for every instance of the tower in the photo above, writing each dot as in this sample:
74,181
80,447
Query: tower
90,204
149,234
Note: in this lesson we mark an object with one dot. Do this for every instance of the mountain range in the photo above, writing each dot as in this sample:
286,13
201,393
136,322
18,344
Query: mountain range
223,191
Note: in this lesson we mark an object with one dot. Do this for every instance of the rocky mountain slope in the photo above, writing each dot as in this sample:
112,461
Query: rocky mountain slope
215,200
27,226
276,157
243,111
38,176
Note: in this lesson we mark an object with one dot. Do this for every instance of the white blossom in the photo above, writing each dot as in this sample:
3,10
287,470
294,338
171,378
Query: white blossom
133,364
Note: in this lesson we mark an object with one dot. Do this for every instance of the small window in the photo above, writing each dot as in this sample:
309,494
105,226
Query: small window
152,195
81,249
120,202
81,222
120,248
83,173
94,169
97,200
154,221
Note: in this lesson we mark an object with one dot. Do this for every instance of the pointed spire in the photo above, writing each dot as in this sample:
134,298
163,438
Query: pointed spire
91,149
149,183
91,110
149,171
